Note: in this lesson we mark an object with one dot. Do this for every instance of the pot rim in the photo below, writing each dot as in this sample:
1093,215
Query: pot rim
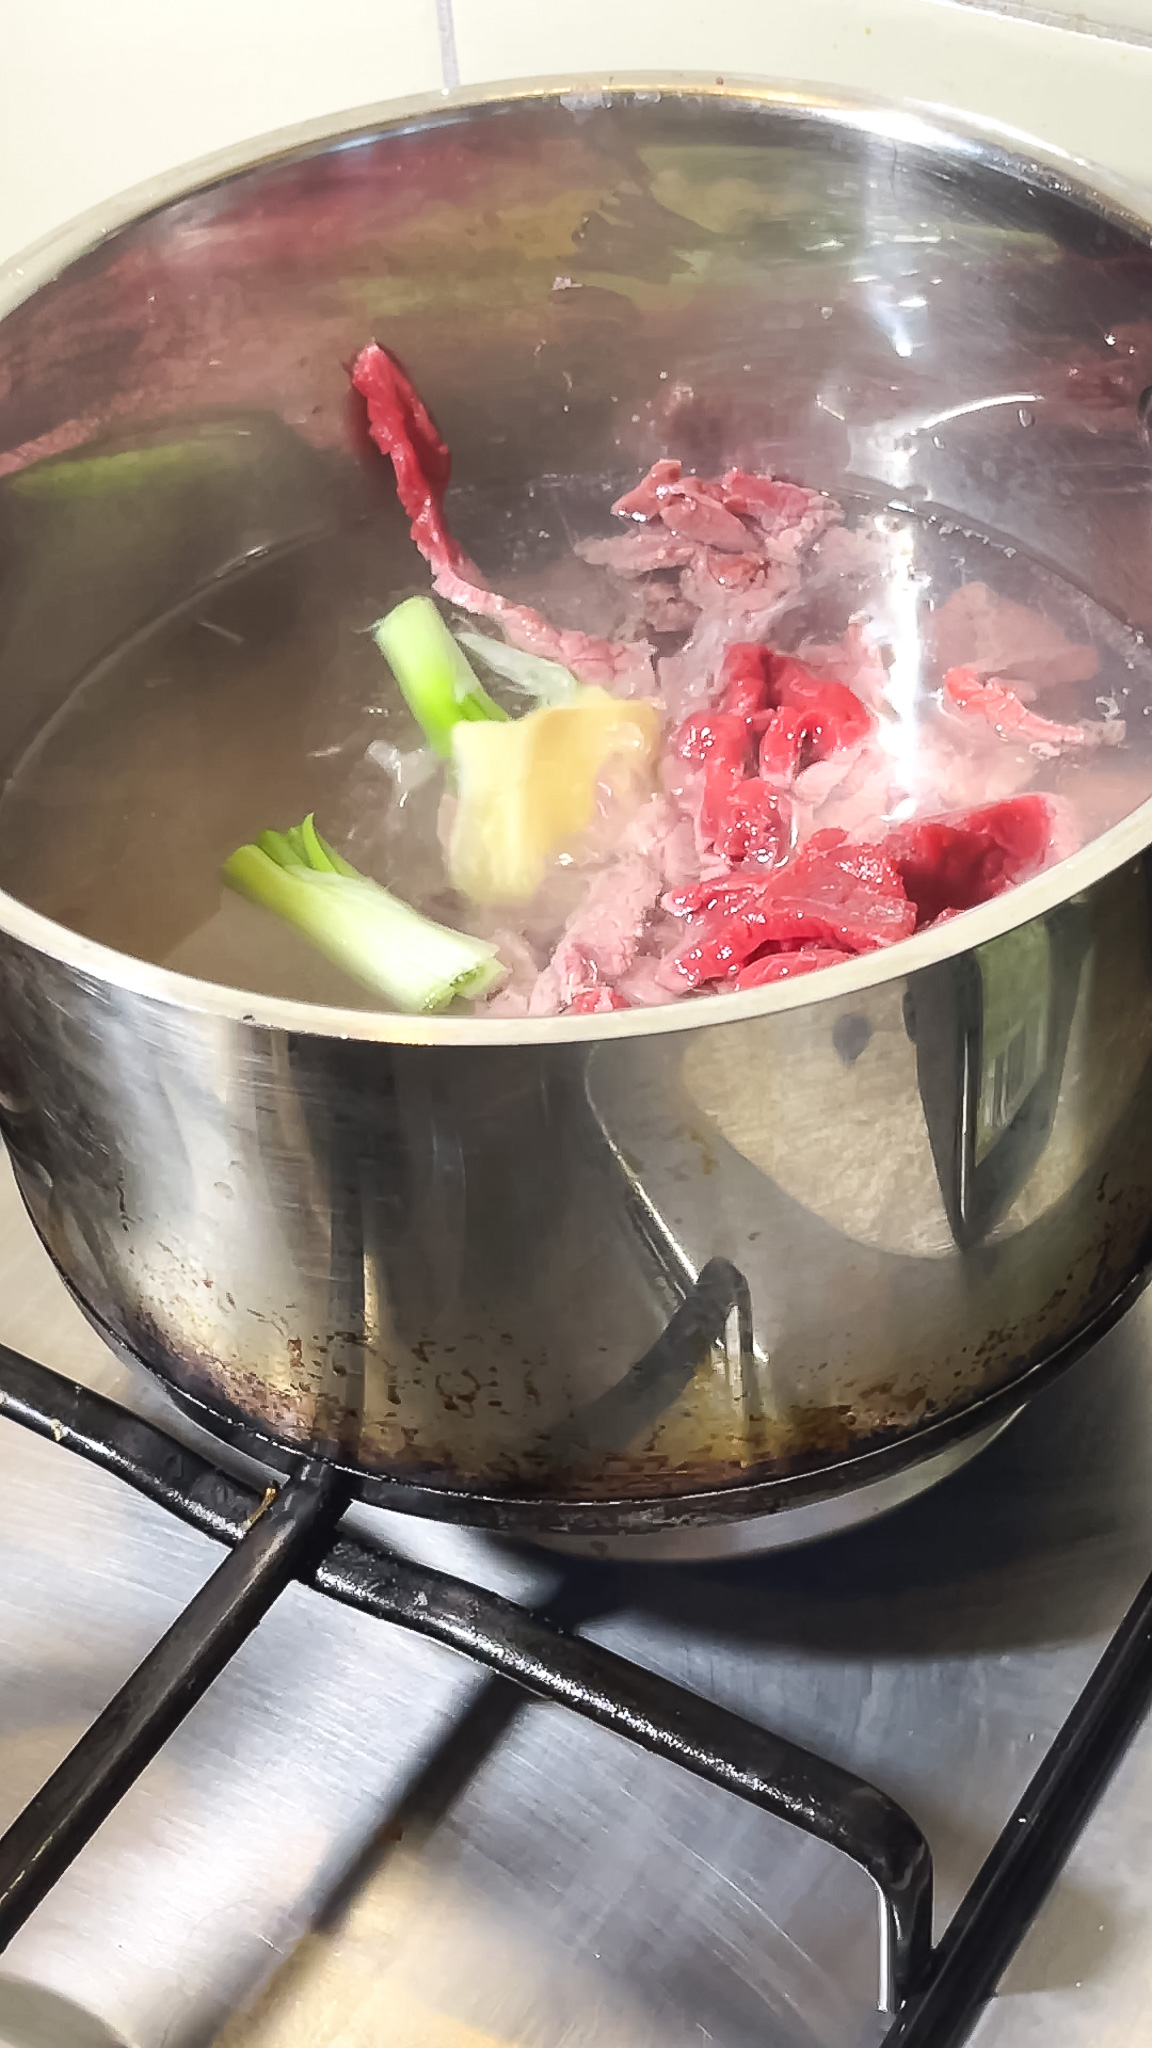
1006,150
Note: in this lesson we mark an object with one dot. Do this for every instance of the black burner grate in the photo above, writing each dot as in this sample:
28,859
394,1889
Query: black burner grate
292,1532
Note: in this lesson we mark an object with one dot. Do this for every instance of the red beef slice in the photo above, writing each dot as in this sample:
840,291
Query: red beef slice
994,704
978,629
956,862
836,895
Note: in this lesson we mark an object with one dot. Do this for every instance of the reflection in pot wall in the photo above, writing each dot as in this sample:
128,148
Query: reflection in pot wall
447,1263
801,1146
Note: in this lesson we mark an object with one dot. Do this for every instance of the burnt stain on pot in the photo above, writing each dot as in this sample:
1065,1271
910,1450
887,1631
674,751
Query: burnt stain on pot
706,1155
461,1396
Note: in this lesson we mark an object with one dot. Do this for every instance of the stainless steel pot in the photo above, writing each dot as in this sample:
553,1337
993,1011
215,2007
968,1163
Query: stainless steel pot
666,1269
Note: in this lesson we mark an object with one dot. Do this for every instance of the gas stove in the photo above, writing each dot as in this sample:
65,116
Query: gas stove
545,1804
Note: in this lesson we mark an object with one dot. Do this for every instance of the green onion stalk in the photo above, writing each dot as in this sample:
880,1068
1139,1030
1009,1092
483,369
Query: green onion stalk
413,963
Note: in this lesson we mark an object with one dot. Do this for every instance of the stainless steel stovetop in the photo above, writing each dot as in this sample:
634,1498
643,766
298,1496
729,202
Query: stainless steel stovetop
357,1838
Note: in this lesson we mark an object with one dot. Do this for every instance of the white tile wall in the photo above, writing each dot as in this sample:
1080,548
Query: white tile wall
1084,94
99,95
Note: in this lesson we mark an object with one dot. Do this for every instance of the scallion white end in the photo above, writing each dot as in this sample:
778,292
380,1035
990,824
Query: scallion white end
411,962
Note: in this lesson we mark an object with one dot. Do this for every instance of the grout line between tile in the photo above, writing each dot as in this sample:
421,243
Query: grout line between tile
449,60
